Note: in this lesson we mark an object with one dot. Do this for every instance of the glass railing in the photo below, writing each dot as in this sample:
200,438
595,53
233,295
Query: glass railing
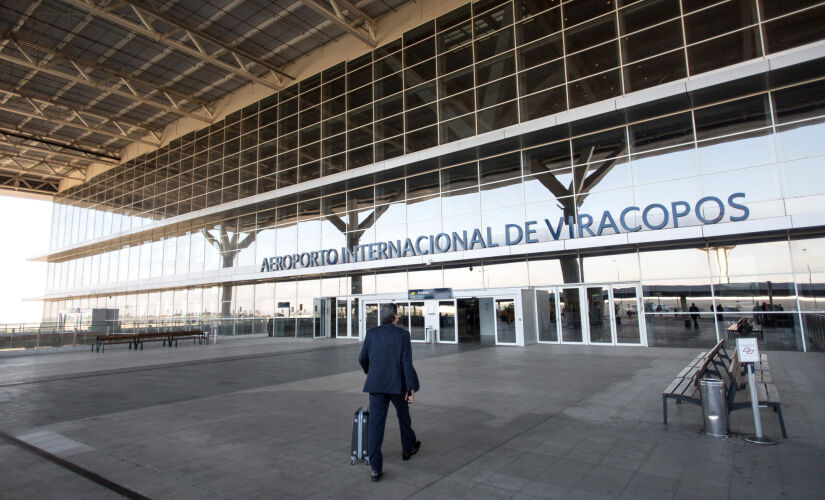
16,336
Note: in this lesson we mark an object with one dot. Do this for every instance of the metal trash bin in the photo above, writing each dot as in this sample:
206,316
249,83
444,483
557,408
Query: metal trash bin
430,335
714,407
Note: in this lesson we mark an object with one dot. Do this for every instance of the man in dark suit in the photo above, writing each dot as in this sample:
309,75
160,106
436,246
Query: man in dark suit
386,357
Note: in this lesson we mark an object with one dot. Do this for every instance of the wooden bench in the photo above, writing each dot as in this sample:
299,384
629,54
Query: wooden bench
719,364
169,337
738,393
102,340
685,387
138,339
756,331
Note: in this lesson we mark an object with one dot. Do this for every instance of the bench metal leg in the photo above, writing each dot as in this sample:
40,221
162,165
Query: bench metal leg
664,409
778,410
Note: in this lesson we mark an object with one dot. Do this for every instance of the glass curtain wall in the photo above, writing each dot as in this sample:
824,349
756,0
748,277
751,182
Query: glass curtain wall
483,66
759,145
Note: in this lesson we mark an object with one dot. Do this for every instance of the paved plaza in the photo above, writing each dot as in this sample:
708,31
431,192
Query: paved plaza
257,418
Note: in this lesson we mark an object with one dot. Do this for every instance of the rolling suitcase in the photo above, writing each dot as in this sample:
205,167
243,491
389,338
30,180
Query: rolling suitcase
360,433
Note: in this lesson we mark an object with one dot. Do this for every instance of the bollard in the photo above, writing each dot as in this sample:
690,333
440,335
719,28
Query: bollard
714,408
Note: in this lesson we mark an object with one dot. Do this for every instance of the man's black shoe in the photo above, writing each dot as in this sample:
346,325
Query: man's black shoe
376,475
406,456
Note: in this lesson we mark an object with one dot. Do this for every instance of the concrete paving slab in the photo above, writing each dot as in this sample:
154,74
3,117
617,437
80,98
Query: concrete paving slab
254,418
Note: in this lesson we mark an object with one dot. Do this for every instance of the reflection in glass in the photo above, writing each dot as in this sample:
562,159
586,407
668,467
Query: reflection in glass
416,321
505,321
284,323
773,331
594,89
341,318
353,317
446,321
543,103
815,331
371,315
679,330
598,310
571,321
626,311
548,324
754,258
676,295
658,264
774,294
730,153
724,51
403,315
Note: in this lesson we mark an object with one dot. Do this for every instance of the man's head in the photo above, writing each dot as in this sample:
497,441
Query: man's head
389,311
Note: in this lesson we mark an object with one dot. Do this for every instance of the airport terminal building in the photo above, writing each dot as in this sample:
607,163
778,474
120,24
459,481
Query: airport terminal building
506,171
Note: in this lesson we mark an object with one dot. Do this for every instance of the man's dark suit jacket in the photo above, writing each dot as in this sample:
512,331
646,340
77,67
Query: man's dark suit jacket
386,358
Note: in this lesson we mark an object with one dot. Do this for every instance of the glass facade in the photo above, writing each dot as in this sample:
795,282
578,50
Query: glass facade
486,66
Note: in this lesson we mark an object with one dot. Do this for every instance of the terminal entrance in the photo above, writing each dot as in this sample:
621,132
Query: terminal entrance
468,321
486,320
346,318
426,320
590,314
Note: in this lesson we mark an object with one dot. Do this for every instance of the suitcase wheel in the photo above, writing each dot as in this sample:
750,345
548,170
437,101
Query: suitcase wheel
352,461
367,461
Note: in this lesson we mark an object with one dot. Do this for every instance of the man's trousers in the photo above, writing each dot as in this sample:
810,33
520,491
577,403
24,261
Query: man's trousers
379,403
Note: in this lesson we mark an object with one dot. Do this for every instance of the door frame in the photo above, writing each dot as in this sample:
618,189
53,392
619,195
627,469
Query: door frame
515,319
349,334
585,313
436,317
611,317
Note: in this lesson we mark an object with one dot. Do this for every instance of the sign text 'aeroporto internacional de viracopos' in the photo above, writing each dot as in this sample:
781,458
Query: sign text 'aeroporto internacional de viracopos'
581,226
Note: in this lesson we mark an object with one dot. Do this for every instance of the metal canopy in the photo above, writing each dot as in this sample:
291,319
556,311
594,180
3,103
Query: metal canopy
82,79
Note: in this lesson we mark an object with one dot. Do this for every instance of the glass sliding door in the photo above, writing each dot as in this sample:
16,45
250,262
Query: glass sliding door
571,315
353,317
598,314
341,319
505,321
610,314
446,322
417,328
403,309
320,317
546,314
370,315
626,307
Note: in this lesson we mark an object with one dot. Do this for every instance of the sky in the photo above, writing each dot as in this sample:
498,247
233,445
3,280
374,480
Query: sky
25,225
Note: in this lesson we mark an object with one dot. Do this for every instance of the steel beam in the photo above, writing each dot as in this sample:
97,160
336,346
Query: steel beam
128,80
64,154
146,29
334,13
64,123
83,79
9,169
46,175
36,138
19,183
